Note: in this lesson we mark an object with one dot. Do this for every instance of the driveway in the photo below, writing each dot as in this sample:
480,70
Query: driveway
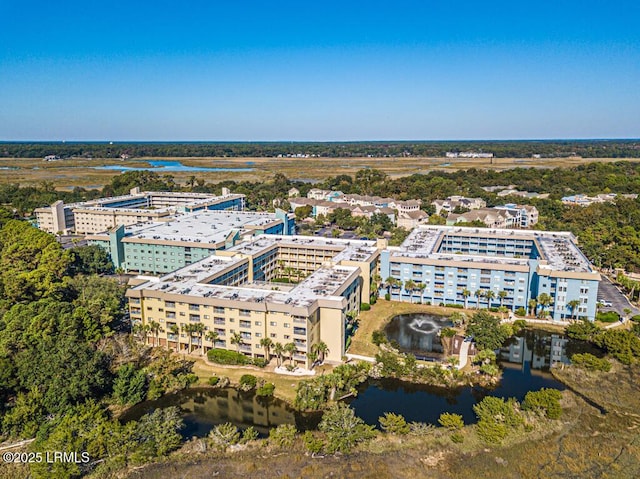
608,291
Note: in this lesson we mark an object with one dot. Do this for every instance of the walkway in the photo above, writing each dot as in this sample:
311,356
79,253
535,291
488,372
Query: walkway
464,354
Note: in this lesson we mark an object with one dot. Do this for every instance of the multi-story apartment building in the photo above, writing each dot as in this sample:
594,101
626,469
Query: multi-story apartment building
232,292
446,206
160,248
102,214
454,265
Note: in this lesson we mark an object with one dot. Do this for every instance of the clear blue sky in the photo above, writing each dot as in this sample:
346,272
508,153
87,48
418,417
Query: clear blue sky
319,70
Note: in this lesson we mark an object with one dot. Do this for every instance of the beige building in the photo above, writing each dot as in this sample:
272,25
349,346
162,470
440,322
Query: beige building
100,215
240,292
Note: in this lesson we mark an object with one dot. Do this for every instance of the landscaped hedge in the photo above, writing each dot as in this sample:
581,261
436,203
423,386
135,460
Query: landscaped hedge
590,362
608,317
223,356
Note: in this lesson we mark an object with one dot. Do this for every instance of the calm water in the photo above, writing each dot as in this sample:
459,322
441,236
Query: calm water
525,360
168,166
204,408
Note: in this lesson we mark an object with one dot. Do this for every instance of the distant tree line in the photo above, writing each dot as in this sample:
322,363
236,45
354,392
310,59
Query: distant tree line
500,149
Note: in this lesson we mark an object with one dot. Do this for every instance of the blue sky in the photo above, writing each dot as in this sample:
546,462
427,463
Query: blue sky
303,71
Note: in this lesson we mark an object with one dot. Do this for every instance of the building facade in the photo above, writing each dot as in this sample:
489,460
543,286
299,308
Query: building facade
159,248
239,294
99,215
491,268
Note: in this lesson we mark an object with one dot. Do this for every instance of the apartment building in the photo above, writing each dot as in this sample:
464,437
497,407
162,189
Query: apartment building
234,292
160,248
102,214
455,265
446,206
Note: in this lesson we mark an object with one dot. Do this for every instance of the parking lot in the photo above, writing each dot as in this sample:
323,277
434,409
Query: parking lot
607,291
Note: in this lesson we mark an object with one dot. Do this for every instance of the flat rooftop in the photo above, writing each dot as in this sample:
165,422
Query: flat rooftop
201,227
556,248
324,283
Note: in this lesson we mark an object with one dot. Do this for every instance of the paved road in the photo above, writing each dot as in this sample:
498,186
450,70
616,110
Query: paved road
608,291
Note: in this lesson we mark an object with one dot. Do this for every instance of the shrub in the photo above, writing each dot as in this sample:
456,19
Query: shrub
546,401
283,436
635,318
260,362
520,312
266,390
387,296
248,382
223,356
224,435
365,307
457,306
393,423
519,324
378,337
590,362
344,429
312,443
457,438
496,418
453,422
373,300
249,434
130,385
213,380
421,428
608,317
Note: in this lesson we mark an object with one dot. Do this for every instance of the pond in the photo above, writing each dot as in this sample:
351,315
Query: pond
525,360
417,333
167,166
204,408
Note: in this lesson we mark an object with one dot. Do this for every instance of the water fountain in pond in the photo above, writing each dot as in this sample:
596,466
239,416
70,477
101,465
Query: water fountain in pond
417,333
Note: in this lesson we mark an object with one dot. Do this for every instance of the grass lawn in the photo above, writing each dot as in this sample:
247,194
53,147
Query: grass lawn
285,385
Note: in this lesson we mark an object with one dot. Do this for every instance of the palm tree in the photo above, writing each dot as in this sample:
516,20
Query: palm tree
321,349
236,338
545,300
627,312
489,294
409,286
478,294
188,329
533,305
573,306
174,329
146,331
502,295
445,338
199,329
155,329
267,344
278,349
422,287
290,348
119,271
212,336
465,294
502,310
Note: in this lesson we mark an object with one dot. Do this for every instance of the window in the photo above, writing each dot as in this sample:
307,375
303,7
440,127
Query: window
245,312
194,317
286,336
194,307
245,324
217,320
218,309
273,335
272,323
258,323
287,325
